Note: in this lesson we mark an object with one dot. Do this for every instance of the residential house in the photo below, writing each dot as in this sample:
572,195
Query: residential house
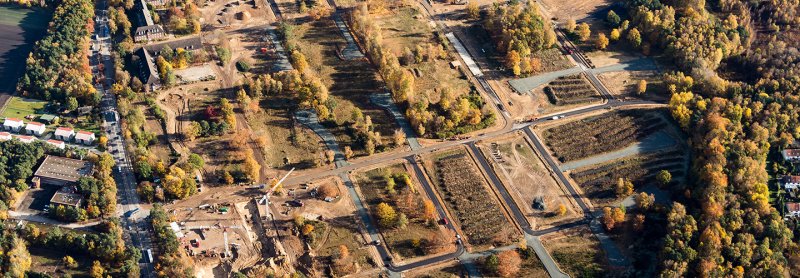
13,124
64,133
791,154
84,137
56,143
4,136
35,128
791,182
26,139
792,209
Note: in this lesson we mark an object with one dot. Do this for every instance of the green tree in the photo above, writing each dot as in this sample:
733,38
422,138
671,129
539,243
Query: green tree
72,103
613,19
196,161
635,38
664,177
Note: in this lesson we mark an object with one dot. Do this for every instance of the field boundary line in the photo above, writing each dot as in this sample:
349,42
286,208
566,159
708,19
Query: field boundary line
561,186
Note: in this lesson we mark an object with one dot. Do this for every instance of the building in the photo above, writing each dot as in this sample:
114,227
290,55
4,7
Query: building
26,139
13,124
176,229
48,118
35,128
792,209
147,30
148,71
84,137
62,171
56,143
66,196
4,136
149,33
64,133
791,154
791,182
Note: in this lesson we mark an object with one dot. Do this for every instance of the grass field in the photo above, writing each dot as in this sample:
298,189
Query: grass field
19,29
372,185
288,144
577,253
50,261
468,198
19,108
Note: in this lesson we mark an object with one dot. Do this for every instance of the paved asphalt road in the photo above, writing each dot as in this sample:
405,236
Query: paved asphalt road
136,227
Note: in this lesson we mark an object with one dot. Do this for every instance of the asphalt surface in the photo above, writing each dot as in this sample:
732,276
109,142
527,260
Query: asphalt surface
132,215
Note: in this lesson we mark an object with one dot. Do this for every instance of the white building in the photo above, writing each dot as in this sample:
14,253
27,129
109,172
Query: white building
64,133
84,137
5,136
791,154
13,124
26,139
57,144
35,128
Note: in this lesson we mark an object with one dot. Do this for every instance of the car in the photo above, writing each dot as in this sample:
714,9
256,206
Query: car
376,242
444,221
295,203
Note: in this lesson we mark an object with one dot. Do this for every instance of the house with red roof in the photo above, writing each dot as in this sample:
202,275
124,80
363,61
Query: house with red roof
5,136
35,128
57,143
13,124
84,137
26,138
64,133
791,154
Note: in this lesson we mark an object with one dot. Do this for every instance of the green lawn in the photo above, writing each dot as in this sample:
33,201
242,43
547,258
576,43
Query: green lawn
19,108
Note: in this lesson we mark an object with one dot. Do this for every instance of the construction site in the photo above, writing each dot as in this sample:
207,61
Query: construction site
271,229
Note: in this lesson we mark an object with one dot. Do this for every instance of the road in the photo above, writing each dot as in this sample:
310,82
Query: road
135,226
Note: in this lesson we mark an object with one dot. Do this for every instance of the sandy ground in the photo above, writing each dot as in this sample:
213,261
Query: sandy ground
578,10
574,243
526,178
624,84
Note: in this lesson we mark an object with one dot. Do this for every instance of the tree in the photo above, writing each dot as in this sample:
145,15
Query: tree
429,210
19,259
330,155
102,142
224,54
562,210
601,42
196,161
227,177
402,221
69,262
97,270
192,131
473,10
584,32
491,263
612,217
635,38
307,229
624,187
399,137
508,263
641,87
614,35
386,215
613,19
571,25
348,152
664,177
72,103
638,222
299,61
251,168
644,201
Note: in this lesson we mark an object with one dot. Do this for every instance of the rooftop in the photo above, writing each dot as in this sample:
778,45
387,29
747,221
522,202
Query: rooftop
792,207
791,179
62,168
67,196
792,152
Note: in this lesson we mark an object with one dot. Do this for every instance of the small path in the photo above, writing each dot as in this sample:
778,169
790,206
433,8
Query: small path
525,85
385,100
657,141
351,50
615,257
309,119
35,217
282,63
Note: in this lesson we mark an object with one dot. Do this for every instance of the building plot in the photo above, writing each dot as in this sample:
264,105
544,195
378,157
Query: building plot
414,229
472,204
536,192
577,252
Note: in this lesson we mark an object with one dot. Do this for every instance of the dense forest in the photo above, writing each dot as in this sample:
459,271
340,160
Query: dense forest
58,68
518,31
735,92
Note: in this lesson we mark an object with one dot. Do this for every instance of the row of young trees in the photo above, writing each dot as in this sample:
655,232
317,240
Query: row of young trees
58,68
